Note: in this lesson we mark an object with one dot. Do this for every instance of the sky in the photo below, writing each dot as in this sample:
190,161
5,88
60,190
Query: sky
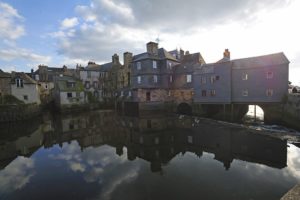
67,32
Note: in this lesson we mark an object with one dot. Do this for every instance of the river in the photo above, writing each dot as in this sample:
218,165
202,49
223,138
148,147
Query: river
101,155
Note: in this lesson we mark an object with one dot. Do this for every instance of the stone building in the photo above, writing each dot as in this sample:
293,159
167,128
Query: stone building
25,88
5,87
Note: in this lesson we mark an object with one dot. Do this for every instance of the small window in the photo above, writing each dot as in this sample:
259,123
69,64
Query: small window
87,84
129,93
169,65
154,64
245,77
95,84
148,96
46,86
189,78
25,97
169,93
213,79
155,79
213,93
69,94
156,141
122,93
139,79
245,93
204,93
89,74
190,139
269,75
269,92
203,80
217,78
171,79
138,66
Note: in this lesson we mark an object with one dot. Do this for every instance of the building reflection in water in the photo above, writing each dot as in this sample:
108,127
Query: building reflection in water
156,139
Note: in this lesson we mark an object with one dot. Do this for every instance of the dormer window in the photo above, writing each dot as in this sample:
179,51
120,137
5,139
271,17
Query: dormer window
19,82
154,64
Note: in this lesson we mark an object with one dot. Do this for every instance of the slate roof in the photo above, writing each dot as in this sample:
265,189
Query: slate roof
162,54
101,68
260,61
26,79
4,74
188,63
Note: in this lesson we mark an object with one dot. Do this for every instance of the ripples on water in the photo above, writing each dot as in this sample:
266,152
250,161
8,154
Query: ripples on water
100,155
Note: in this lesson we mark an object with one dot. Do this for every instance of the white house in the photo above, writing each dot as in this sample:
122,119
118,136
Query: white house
25,88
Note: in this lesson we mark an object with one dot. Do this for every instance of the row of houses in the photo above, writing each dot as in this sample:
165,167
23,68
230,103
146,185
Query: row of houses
150,79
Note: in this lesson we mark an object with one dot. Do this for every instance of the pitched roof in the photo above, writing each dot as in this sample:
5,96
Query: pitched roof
162,54
4,74
26,79
260,61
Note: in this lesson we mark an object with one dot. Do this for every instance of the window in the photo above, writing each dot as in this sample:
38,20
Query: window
213,79
245,93
69,94
188,78
138,66
169,93
154,64
89,74
87,84
155,79
141,140
269,92
148,96
212,93
169,65
245,77
204,93
190,139
46,86
156,140
269,75
139,80
70,84
203,80
25,97
122,93
171,79
95,84
19,82
129,93
217,78
37,77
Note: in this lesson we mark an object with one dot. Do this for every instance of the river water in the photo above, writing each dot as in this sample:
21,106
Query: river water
100,155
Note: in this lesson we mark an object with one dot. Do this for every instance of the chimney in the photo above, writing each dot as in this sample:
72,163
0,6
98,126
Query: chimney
115,59
181,53
127,58
152,48
226,54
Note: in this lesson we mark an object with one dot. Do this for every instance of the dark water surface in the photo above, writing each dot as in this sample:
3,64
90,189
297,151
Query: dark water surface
100,155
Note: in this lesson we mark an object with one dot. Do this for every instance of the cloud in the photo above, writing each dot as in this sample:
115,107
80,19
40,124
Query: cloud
106,27
16,175
22,54
10,26
69,23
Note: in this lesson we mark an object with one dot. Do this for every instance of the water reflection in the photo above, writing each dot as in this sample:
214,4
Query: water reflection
156,139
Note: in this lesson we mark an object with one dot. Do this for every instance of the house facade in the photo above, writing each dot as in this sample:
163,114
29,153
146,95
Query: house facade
68,92
25,88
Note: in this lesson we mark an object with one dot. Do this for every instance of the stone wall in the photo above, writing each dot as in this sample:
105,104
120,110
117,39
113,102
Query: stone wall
9,113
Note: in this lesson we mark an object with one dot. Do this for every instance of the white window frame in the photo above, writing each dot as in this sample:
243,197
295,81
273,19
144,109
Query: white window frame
212,93
138,66
270,75
245,93
188,78
154,64
245,77
269,92
139,79
155,78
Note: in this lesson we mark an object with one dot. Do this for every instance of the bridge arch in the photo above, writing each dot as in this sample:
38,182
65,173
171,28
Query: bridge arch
184,108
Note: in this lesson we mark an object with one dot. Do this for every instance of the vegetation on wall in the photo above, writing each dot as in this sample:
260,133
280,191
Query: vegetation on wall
10,100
